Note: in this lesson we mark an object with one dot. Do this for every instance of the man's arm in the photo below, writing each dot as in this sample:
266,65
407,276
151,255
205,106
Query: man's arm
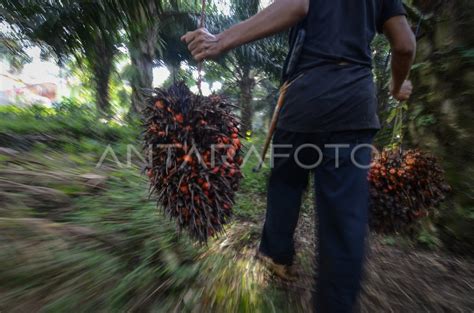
280,15
403,44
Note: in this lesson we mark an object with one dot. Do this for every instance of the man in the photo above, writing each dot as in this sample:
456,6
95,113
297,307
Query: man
326,123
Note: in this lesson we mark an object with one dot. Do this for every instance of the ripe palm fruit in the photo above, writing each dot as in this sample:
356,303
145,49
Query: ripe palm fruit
182,134
404,187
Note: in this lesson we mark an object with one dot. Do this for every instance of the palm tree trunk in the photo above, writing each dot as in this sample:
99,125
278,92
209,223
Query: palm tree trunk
246,85
174,72
102,94
101,60
142,79
142,49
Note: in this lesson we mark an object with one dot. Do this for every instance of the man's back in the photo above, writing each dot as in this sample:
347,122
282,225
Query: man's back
337,90
342,30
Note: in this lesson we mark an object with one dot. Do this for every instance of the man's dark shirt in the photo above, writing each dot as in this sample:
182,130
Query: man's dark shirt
337,91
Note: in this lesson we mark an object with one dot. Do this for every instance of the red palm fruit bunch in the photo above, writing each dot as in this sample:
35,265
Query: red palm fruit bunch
195,156
404,186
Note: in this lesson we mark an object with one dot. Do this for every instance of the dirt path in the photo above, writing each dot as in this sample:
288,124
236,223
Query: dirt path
397,279
416,281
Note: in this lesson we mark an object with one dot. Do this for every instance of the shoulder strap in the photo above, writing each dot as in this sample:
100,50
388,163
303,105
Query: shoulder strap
296,39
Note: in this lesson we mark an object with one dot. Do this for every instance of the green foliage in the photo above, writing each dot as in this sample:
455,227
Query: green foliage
67,120
429,239
12,50
145,251
113,251
387,107
389,240
251,202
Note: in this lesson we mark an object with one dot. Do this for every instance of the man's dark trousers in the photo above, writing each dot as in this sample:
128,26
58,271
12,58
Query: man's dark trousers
340,163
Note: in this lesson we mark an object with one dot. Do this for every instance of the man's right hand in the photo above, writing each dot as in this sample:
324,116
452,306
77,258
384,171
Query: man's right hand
404,92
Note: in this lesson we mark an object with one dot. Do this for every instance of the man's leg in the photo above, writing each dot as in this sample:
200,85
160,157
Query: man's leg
342,204
285,188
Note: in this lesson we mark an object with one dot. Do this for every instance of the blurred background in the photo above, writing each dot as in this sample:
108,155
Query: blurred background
77,230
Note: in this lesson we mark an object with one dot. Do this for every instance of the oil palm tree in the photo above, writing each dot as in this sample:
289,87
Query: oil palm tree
151,28
82,29
92,32
247,65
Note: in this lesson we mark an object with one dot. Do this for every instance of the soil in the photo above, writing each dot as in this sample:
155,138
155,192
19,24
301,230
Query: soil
397,278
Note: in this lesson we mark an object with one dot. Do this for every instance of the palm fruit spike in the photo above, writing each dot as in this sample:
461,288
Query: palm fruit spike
404,187
195,151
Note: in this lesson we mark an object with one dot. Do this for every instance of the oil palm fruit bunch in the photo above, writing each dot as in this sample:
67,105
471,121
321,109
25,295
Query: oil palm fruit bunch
405,186
194,152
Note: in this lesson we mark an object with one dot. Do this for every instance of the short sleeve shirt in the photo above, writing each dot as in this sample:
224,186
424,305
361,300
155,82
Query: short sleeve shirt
336,90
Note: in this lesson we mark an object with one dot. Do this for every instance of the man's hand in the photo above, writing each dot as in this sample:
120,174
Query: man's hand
278,16
202,44
405,91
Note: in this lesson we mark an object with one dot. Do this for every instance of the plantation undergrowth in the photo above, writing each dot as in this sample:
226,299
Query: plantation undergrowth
79,238
69,244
